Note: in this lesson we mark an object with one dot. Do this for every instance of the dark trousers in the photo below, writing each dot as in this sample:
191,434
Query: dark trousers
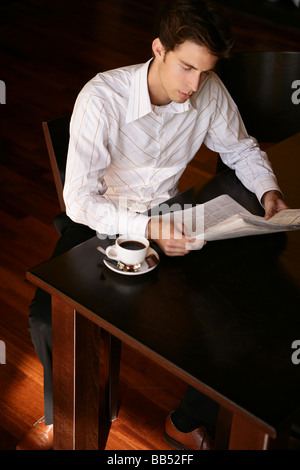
195,408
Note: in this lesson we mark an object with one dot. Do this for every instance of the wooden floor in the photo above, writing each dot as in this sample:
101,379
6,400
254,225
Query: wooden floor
49,50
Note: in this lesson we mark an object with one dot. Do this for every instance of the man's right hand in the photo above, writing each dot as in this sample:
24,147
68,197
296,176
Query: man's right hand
170,238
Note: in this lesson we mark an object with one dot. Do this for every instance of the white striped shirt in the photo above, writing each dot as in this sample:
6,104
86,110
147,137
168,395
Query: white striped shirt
126,155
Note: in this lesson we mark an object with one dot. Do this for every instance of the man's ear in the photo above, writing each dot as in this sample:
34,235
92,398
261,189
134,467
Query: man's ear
158,49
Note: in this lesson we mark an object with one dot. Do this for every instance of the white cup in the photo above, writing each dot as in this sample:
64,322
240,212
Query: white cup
129,249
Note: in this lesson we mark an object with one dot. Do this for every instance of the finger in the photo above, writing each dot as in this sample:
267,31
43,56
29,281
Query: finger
179,249
196,245
175,252
270,211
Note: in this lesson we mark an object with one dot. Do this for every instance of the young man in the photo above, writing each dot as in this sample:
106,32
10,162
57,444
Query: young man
133,132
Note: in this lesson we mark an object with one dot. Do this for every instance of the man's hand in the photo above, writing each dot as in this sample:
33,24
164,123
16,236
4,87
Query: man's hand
170,238
273,203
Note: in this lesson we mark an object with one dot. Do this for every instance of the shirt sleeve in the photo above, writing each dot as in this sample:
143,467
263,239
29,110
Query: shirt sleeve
239,151
87,163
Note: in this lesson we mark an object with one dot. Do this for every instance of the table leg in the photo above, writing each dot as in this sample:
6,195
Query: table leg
246,436
223,428
63,327
112,357
88,411
76,380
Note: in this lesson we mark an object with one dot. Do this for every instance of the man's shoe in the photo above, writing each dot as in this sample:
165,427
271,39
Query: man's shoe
198,439
39,437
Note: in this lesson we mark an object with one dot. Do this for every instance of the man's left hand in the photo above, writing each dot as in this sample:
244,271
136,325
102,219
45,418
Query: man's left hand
273,203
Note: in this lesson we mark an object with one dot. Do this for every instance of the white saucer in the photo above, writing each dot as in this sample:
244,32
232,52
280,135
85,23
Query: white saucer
143,269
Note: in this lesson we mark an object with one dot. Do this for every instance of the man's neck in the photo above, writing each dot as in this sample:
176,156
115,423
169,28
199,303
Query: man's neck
157,97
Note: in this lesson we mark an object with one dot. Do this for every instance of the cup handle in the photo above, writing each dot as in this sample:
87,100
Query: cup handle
111,252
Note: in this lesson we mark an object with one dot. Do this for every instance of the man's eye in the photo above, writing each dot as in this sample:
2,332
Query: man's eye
186,68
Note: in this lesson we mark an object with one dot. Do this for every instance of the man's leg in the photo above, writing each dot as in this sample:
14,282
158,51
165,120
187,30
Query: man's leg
191,425
194,410
40,327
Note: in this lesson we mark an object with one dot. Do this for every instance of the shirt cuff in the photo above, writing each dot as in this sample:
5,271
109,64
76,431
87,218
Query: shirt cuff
263,189
133,223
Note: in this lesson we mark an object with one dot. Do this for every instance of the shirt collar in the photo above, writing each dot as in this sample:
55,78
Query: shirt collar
139,104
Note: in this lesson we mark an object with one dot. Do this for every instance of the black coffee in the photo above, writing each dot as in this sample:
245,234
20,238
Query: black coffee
132,245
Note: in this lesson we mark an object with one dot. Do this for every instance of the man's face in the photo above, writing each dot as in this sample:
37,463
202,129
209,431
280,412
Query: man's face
181,71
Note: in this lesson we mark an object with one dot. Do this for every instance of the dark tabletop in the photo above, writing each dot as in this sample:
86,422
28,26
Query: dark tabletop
226,315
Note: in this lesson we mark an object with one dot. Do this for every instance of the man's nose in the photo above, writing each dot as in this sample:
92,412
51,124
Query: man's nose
195,81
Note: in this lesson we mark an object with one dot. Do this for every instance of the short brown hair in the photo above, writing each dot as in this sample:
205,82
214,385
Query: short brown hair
196,20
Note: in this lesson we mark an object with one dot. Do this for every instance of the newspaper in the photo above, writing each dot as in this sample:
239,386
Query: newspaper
223,218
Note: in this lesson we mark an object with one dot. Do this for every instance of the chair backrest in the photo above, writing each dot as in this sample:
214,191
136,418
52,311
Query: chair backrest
261,83
56,132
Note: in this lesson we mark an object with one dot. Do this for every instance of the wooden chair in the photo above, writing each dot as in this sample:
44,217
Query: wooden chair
261,83
56,132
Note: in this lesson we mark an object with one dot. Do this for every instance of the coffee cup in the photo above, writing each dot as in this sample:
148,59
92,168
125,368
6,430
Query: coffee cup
130,250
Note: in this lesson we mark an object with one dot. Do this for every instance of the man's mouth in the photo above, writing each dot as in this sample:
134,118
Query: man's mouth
185,95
